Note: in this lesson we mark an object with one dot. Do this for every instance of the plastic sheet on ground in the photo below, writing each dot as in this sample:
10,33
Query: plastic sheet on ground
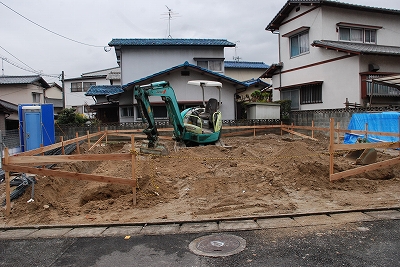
377,122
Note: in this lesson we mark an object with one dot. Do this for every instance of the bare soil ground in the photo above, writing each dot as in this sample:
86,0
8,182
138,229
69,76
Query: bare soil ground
255,176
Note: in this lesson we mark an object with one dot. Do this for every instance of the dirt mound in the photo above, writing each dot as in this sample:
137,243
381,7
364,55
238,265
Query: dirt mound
253,176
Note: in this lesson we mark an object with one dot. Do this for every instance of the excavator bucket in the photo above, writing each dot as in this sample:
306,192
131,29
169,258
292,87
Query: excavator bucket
159,149
363,156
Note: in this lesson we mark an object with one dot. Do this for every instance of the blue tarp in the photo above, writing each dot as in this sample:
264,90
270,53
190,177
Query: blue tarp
377,122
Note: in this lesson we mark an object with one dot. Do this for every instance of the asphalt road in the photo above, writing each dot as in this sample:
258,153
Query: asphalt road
372,243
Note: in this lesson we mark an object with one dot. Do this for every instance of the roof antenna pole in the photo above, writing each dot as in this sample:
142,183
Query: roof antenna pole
169,21
2,66
236,58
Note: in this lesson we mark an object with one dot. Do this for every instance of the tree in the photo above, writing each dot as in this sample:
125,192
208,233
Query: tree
69,116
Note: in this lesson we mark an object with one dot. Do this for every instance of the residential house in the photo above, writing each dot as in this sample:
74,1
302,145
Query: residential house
106,107
75,88
245,70
139,58
8,116
15,90
177,61
54,95
331,53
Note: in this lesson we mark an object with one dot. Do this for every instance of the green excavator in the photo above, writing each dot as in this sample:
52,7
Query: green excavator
193,126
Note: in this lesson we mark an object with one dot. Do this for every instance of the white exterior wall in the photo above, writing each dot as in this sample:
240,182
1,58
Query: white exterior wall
79,98
189,93
21,93
243,74
341,78
53,92
139,62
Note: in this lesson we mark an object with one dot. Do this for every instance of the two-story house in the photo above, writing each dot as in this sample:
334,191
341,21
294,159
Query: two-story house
75,88
330,52
15,90
143,61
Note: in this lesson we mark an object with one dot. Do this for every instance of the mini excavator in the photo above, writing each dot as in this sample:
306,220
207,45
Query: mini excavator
192,127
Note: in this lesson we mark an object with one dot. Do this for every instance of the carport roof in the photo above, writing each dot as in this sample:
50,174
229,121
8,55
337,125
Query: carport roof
392,81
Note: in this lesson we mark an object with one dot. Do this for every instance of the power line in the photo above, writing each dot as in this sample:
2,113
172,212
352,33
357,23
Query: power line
16,58
44,28
28,70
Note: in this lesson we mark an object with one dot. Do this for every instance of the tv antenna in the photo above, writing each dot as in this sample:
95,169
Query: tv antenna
170,15
236,57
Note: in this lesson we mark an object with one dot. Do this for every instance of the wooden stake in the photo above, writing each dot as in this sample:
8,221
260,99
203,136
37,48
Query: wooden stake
312,131
133,168
77,144
88,138
337,133
281,128
106,132
62,146
331,143
8,189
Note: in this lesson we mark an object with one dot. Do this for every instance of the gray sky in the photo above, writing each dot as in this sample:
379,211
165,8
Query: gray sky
97,22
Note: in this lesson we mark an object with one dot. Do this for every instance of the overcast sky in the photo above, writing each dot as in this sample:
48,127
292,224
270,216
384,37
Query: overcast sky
97,22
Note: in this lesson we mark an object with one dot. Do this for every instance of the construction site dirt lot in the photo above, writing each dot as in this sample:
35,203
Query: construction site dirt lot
252,177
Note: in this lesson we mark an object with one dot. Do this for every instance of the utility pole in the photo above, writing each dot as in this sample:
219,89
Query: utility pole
63,89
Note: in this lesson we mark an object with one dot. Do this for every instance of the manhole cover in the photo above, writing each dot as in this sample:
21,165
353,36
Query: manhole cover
217,245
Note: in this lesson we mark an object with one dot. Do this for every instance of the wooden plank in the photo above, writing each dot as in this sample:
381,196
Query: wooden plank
70,175
57,145
67,158
298,134
370,167
98,141
364,132
360,146
236,133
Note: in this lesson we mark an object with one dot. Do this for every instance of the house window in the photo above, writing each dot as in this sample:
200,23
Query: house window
360,35
86,85
127,112
213,65
299,44
76,87
311,94
35,98
294,96
159,112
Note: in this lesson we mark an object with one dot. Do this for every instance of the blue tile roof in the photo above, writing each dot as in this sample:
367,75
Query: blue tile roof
184,65
171,42
256,81
245,65
104,90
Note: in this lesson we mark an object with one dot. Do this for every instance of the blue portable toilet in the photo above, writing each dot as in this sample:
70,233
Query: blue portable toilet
36,125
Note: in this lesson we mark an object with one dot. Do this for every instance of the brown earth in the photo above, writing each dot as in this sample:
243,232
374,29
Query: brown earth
255,176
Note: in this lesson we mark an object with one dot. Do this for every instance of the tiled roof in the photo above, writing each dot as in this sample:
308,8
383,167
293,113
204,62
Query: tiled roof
291,4
358,48
256,81
245,65
23,80
184,65
170,42
8,106
104,90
